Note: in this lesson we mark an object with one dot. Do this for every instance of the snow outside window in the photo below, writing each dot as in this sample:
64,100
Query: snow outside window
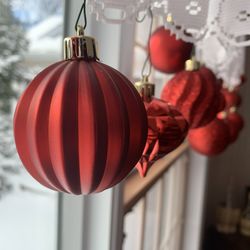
30,39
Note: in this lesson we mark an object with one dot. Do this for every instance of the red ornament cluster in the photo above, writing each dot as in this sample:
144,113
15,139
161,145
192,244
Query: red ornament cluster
214,138
80,126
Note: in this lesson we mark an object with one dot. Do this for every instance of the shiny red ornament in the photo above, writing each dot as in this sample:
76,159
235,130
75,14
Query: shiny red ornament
196,94
80,126
211,139
168,54
167,129
232,98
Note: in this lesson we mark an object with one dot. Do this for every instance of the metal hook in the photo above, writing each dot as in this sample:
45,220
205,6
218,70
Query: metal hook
83,9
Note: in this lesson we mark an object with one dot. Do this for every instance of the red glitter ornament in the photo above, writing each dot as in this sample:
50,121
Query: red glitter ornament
232,98
196,94
168,54
80,126
211,139
167,129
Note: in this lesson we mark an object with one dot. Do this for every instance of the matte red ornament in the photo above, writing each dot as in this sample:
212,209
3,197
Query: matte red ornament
234,117
167,129
211,139
196,94
232,98
235,124
80,126
168,54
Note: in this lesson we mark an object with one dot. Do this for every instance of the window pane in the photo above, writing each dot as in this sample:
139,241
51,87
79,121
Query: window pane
30,39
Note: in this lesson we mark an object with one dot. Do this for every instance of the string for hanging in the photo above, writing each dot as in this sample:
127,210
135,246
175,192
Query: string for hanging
142,19
143,74
82,10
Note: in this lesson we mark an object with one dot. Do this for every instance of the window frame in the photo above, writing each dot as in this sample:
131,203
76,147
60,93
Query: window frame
85,221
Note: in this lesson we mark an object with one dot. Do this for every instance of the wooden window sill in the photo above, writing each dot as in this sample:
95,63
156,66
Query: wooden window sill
136,187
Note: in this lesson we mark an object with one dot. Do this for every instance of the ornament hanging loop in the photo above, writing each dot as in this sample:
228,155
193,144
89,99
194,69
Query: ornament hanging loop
80,30
80,46
82,10
147,61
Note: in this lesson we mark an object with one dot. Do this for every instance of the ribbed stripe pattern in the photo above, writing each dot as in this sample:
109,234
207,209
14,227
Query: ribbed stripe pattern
80,127
196,94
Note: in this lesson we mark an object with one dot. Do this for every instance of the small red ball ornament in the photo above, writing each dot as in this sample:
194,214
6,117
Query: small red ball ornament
80,126
195,93
168,54
232,98
167,128
211,139
234,121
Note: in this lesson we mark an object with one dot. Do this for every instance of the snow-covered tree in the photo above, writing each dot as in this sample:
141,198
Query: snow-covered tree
12,48
41,9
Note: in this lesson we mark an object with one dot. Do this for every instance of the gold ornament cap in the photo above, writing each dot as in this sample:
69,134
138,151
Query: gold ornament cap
223,115
145,88
192,64
169,18
80,46
232,109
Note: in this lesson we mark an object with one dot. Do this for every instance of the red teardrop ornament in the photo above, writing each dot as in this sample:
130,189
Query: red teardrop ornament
80,126
167,129
211,139
196,94
168,54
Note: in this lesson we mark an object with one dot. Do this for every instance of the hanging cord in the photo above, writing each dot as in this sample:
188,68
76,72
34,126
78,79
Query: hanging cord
147,61
82,10
142,19
193,52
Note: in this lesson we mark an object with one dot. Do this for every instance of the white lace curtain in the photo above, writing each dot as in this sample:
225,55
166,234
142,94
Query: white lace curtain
221,26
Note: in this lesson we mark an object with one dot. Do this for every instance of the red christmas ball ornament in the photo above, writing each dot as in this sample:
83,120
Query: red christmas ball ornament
234,117
80,126
168,54
195,93
232,98
211,139
234,121
167,128
233,130
235,124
